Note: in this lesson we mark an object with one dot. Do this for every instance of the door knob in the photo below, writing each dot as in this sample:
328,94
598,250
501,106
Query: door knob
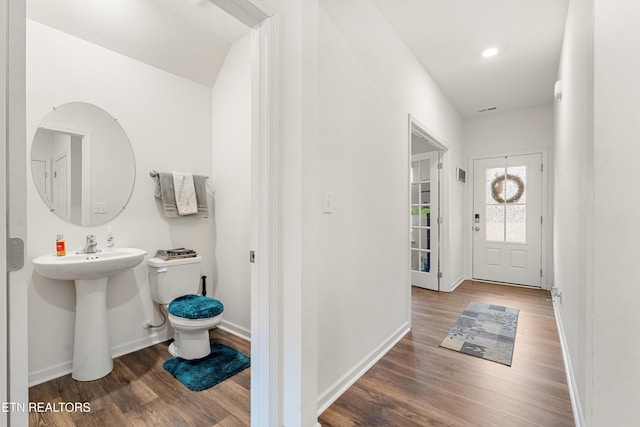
477,228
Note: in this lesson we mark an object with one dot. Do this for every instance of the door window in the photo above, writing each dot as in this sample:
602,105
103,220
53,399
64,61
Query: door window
505,204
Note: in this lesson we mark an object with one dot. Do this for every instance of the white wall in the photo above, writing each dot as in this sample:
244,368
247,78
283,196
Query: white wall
357,257
168,121
596,212
616,371
573,199
525,130
231,176
512,131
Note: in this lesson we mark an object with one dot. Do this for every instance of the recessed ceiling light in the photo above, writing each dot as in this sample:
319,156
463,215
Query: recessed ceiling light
488,53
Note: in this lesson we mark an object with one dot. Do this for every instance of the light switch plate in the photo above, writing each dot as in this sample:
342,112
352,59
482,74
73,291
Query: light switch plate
100,208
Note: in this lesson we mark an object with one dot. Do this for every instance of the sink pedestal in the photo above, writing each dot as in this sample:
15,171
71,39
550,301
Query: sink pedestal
91,349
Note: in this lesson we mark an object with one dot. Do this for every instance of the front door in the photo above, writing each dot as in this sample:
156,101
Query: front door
507,236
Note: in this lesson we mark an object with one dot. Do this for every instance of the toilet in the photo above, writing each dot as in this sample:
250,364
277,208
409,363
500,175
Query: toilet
173,284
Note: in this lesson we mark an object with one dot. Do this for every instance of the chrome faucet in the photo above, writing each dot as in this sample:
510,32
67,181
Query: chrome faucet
90,246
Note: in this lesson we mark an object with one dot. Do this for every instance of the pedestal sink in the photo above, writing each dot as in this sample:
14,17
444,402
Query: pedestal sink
91,350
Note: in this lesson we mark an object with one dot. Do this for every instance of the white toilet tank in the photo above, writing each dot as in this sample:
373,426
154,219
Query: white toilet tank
171,279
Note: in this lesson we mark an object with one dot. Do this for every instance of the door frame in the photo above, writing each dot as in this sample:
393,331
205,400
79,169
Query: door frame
267,387
4,278
14,365
544,208
415,127
87,141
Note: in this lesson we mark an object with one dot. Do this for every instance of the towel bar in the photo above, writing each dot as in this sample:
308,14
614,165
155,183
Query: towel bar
154,173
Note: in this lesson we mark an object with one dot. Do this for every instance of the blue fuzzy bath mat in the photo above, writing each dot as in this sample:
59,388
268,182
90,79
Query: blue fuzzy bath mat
201,374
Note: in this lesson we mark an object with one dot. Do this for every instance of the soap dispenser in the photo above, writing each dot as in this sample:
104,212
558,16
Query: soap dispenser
61,247
110,243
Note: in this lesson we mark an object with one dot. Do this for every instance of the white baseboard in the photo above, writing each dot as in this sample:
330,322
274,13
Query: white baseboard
234,329
61,369
350,377
140,343
457,283
50,373
578,415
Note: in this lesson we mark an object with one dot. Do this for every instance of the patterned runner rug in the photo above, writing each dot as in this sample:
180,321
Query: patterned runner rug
486,331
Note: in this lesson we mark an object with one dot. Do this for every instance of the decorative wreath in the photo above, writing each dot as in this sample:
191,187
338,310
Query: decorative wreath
498,186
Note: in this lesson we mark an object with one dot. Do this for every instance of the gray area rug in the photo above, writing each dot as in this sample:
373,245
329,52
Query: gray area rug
486,331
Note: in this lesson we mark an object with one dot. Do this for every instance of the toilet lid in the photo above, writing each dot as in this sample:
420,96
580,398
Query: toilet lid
195,307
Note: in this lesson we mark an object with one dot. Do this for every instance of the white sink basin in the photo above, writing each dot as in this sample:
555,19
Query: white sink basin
88,266
91,349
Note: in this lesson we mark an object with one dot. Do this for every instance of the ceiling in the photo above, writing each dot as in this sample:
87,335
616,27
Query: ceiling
189,40
448,36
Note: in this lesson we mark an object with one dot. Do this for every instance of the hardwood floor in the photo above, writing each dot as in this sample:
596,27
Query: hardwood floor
139,392
419,383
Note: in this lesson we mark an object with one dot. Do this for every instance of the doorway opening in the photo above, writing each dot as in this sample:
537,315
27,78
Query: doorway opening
425,199
266,371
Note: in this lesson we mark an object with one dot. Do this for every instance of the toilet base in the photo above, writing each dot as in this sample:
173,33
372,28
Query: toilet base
190,344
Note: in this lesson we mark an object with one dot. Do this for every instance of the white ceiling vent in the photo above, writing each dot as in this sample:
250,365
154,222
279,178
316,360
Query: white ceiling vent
484,110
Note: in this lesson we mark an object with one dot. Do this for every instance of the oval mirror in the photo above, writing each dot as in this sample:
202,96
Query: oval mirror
82,164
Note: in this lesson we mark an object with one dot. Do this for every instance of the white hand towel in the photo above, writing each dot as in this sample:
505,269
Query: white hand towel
185,193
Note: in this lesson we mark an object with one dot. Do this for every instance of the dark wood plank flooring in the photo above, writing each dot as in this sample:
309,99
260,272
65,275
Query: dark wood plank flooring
139,392
417,383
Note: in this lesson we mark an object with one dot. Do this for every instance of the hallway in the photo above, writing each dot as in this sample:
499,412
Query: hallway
420,384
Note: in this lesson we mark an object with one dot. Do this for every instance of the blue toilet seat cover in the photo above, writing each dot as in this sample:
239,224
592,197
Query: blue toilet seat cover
195,307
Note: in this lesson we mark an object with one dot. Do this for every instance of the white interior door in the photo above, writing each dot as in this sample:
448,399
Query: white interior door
39,171
507,236
60,194
424,224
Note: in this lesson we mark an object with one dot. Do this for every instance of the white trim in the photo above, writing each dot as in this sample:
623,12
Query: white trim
65,129
457,283
515,285
87,197
234,329
250,12
544,209
265,292
266,374
4,121
16,204
417,128
49,373
576,406
326,398
64,368
140,343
